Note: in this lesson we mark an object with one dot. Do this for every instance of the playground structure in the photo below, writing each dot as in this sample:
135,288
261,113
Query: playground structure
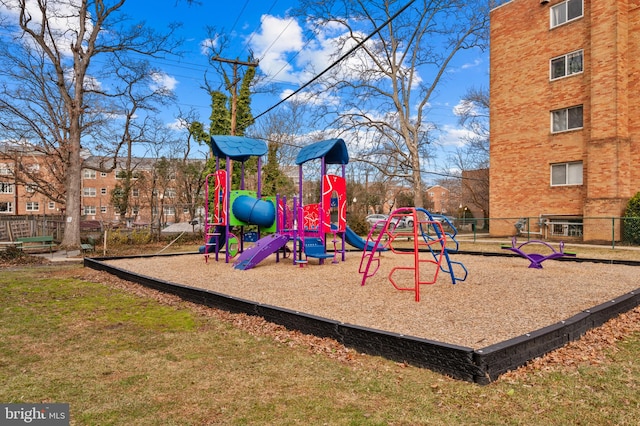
536,259
307,226
426,233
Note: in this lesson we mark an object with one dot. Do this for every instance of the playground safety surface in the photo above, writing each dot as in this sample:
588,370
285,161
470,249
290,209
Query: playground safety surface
502,316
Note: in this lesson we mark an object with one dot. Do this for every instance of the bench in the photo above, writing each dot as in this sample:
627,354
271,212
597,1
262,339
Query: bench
44,242
86,247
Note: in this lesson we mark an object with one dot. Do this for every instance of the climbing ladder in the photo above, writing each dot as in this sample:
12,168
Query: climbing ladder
427,249
215,212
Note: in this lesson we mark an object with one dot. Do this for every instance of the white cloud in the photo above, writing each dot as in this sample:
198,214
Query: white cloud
178,124
285,55
276,42
476,63
465,107
207,45
63,20
452,136
90,83
164,82
320,98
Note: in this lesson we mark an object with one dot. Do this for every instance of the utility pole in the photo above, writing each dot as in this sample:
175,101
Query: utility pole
233,87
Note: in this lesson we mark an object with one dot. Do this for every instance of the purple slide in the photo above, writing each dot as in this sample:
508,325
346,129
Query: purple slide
263,248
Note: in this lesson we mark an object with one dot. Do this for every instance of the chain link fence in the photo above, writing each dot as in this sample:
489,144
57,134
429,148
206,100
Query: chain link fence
611,231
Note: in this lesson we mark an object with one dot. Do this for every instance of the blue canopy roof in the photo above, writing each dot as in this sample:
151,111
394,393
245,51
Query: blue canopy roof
237,148
334,151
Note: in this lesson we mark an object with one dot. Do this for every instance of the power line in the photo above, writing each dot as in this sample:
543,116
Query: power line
246,45
239,15
290,20
340,59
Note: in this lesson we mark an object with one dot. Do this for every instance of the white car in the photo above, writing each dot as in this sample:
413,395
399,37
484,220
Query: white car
373,219
404,222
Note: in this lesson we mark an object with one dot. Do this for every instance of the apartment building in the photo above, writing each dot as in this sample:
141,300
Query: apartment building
19,196
440,200
565,89
154,198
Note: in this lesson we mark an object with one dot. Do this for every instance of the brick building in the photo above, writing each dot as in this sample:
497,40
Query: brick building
18,193
440,199
155,197
564,94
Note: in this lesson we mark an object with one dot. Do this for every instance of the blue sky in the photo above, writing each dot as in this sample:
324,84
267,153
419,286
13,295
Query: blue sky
264,26
286,49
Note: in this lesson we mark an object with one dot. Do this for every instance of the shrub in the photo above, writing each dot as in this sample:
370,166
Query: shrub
117,237
631,220
141,237
11,253
358,224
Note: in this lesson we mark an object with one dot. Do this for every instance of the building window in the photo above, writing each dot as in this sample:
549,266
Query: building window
89,210
103,174
169,210
169,192
89,192
566,65
89,174
566,174
135,192
566,119
33,168
6,188
135,211
6,207
51,205
565,227
5,169
103,209
103,191
565,12
32,206
30,188
122,174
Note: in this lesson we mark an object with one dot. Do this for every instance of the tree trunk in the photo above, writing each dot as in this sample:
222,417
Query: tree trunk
73,184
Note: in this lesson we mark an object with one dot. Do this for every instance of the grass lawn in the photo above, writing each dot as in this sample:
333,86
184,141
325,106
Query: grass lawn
119,357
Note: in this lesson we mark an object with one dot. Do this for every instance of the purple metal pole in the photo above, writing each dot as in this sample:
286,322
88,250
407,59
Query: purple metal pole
226,226
242,176
260,179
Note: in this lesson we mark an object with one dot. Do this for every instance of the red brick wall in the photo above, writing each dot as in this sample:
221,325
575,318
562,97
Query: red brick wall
522,96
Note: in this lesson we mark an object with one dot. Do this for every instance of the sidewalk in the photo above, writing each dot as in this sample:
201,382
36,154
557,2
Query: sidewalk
62,256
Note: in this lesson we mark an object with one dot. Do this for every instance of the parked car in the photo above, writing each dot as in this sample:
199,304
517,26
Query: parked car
404,222
442,218
374,219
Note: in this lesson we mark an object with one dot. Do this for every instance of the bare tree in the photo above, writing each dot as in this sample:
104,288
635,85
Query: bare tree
138,91
160,182
191,173
473,114
51,93
386,86
472,159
